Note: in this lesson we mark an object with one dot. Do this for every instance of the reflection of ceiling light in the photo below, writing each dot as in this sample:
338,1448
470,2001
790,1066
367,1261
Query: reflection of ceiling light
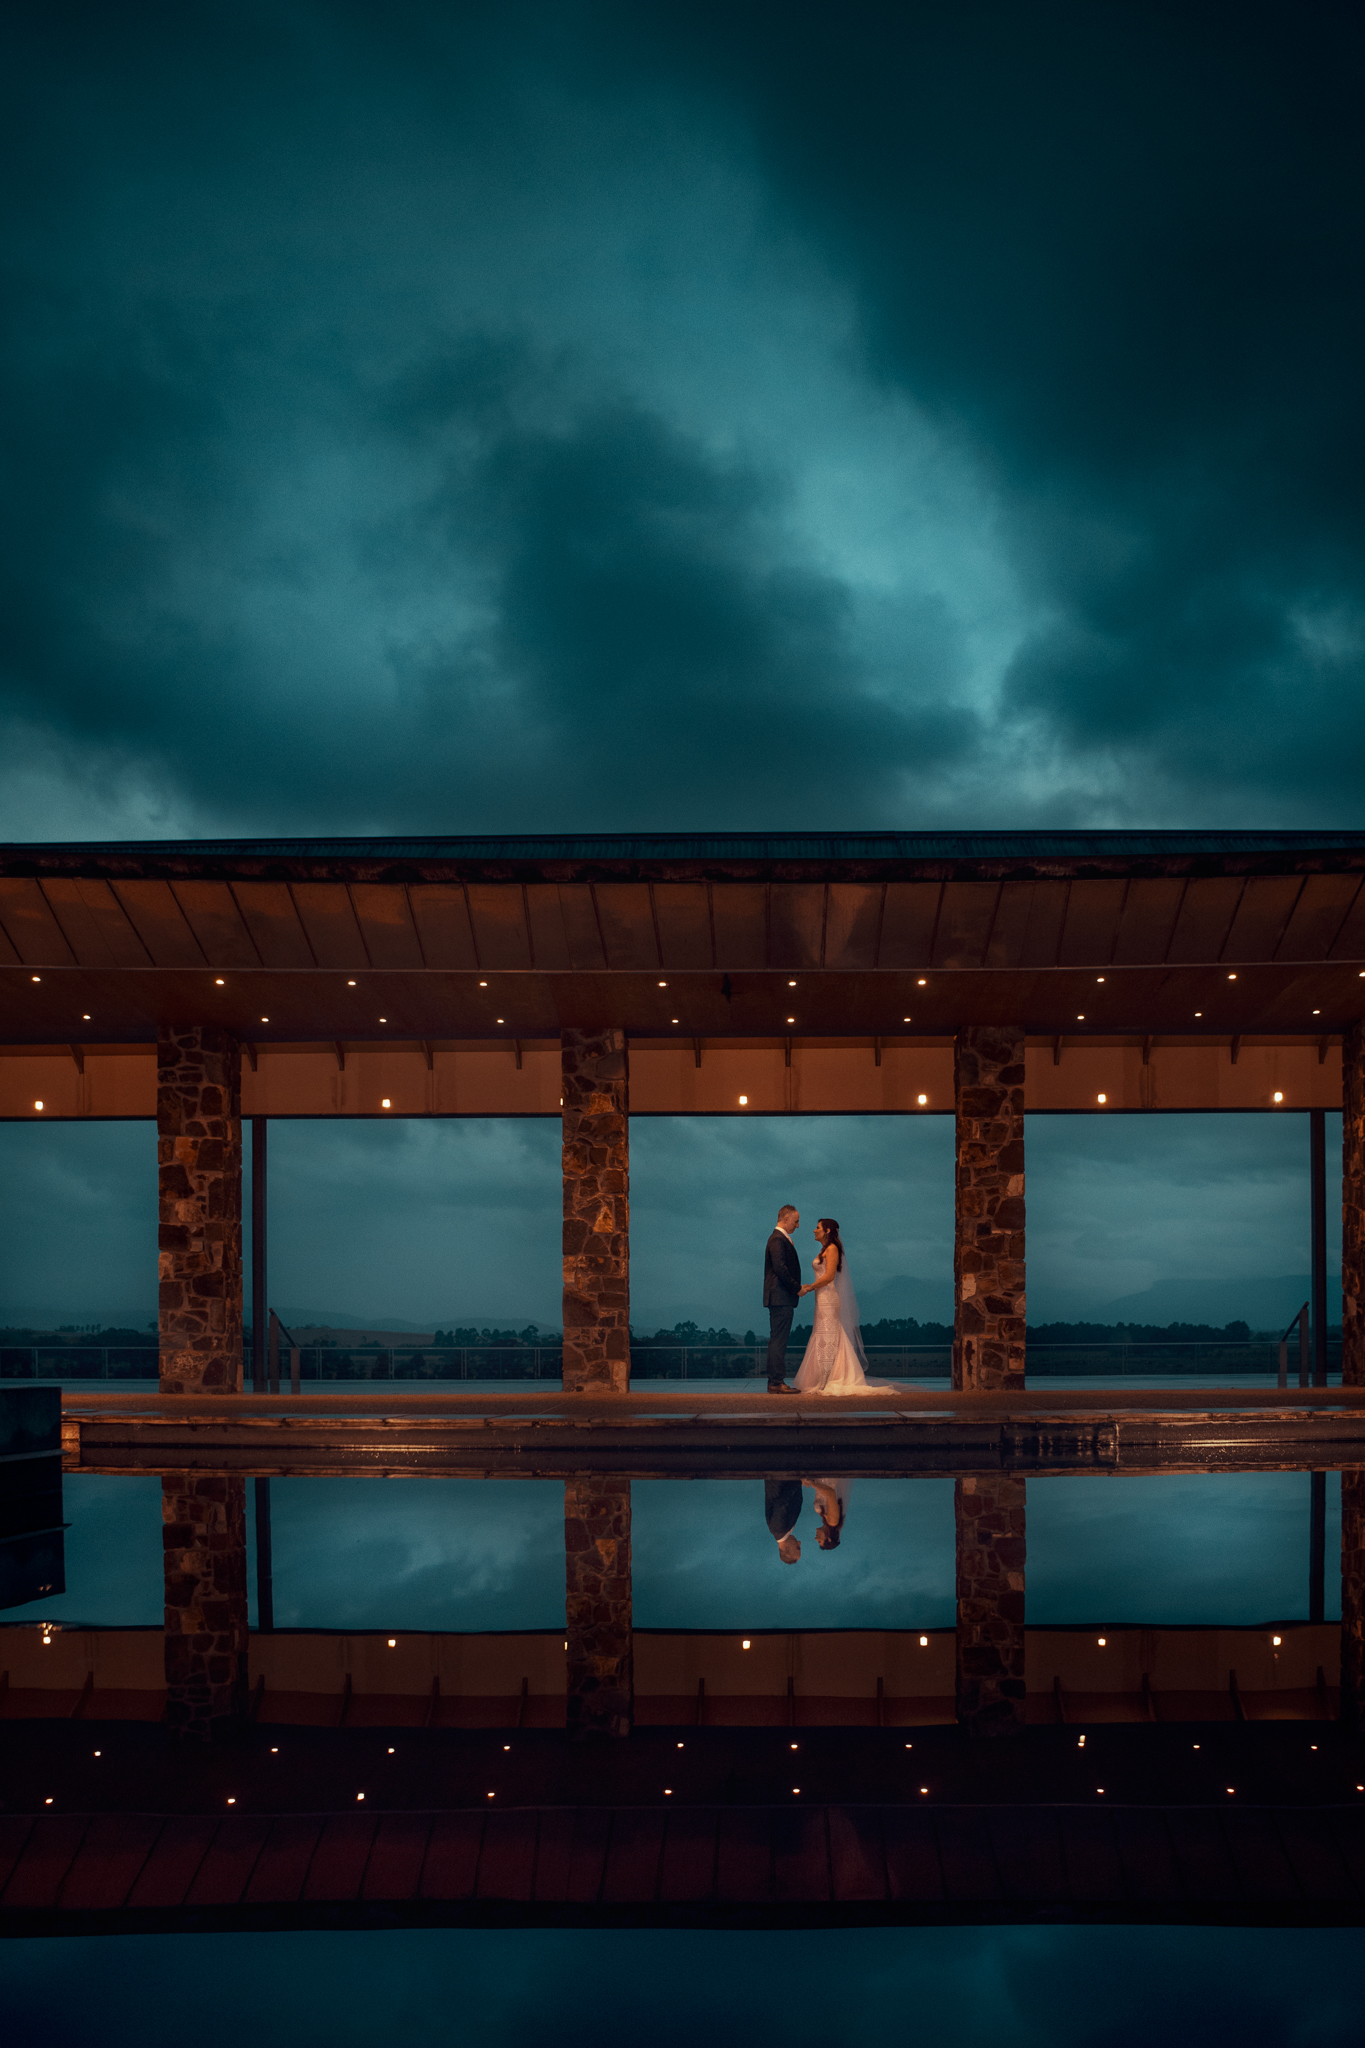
37,1105
386,1104
743,1101
1278,1096
921,1099
1101,1098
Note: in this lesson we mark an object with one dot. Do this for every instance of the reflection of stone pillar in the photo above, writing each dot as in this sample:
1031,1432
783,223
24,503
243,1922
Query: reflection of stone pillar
595,1085
601,1663
1353,1206
199,1159
988,1238
204,1539
1353,1599
989,1514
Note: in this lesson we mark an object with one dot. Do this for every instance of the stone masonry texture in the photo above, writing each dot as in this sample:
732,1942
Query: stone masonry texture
988,1247
596,1211
989,1516
1353,1600
597,1607
199,1163
1353,1206
203,1535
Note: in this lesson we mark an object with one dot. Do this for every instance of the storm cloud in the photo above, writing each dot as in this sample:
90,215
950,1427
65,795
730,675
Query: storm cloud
470,418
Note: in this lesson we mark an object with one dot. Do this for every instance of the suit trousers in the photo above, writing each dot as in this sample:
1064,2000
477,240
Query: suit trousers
779,1329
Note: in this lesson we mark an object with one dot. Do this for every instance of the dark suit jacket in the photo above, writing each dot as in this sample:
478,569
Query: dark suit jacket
781,1273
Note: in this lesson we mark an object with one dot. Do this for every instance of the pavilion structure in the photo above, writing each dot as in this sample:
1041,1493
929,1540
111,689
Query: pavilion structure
985,975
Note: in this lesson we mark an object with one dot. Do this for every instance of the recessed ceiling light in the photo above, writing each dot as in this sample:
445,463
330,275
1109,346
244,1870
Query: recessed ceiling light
1080,1016
35,977
350,984
265,1020
483,984
1232,977
1099,977
672,1020
1317,1013
85,1019
663,984
1199,1013
905,1020
791,1020
217,982
921,983
383,1020
498,1020
791,984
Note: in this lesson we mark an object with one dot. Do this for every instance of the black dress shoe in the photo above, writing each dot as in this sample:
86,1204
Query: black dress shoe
780,1387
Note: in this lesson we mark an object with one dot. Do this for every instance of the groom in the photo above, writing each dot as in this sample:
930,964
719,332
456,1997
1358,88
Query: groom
781,1291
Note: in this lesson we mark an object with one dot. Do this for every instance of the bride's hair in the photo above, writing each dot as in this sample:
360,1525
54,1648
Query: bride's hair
832,1237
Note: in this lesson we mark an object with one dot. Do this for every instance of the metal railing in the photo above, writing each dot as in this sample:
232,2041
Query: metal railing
653,1361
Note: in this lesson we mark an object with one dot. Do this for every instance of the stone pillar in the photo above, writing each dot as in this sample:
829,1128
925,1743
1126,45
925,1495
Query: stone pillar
600,1693
595,1087
988,1237
1353,1206
204,1539
1353,1600
199,1160
989,1514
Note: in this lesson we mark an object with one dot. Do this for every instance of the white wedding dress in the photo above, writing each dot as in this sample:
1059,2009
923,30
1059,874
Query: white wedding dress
835,1362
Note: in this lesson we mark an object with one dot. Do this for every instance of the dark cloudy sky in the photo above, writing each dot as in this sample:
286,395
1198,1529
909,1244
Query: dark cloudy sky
481,417
472,417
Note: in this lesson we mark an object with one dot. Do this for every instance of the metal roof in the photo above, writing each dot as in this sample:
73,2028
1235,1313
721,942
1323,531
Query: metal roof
1224,931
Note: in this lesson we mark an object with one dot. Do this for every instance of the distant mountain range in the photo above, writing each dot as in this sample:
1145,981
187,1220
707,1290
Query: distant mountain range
1265,1301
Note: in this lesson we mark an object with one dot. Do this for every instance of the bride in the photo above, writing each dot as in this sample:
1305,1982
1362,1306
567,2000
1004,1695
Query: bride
835,1362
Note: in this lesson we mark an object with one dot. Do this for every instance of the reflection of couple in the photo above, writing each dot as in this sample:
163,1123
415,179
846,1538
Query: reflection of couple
782,1503
835,1362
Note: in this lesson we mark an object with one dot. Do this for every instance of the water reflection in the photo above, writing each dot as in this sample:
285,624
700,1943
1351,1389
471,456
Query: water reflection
468,1554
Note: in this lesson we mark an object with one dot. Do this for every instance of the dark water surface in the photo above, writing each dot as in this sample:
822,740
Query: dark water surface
938,1987
475,1554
